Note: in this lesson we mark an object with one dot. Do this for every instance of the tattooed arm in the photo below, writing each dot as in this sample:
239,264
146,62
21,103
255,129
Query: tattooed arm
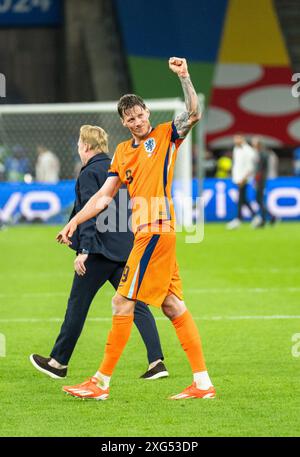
186,120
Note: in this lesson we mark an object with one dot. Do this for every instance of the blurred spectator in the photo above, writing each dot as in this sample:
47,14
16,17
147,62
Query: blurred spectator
16,165
195,158
77,168
2,172
2,159
47,166
297,161
262,167
224,165
273,164
77,165
209,164
243,170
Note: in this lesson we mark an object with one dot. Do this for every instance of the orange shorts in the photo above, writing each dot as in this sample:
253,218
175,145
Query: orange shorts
151,272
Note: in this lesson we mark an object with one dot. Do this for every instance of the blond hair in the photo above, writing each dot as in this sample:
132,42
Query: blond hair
95,137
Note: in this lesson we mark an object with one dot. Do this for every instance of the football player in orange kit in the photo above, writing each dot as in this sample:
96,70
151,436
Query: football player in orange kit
146,164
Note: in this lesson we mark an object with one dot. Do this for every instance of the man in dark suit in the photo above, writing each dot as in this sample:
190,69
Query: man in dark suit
101,256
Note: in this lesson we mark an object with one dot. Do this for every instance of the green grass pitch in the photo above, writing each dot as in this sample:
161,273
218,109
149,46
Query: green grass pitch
243,289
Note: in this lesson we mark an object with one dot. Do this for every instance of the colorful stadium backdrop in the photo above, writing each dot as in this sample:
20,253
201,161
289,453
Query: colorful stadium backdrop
237,56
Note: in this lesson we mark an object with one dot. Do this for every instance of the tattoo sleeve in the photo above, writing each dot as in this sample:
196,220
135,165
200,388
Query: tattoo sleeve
185,121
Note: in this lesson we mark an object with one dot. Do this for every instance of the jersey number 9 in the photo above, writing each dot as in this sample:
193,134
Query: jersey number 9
129,176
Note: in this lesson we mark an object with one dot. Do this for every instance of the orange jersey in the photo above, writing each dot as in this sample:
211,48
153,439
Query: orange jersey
147,169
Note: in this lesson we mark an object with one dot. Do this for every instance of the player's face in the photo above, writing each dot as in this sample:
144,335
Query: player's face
136,120
238,140
256,143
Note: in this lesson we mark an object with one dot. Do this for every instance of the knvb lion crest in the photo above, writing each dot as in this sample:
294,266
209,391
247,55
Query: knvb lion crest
149,146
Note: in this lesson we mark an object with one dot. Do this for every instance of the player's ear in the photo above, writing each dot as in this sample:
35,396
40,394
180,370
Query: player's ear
148,112
122,122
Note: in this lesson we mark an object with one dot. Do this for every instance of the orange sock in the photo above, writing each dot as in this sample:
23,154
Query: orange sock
116,342
189,338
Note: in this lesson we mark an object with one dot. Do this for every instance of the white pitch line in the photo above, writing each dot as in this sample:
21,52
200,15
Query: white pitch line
35,295
216,290
221,290
108,319
70,274
38,274
286,270
236,318
22,320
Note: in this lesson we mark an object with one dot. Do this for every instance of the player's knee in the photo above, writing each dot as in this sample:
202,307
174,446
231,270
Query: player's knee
173,307
121,306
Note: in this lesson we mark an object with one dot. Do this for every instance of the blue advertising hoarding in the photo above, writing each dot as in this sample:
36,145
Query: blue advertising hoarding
30,12
220,198
52,203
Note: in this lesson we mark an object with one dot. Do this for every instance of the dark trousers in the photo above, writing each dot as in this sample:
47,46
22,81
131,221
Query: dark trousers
260,197
243,200
99,269
260,190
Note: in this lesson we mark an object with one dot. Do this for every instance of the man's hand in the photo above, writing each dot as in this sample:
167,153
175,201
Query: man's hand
79,264
66,233
179,66
242,182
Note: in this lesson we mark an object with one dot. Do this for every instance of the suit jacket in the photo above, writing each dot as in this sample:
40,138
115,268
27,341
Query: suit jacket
114,245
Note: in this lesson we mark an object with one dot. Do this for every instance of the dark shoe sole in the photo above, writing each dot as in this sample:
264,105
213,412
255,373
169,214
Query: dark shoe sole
161,374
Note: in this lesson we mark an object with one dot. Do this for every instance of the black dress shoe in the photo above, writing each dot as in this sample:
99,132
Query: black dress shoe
159,371
42,364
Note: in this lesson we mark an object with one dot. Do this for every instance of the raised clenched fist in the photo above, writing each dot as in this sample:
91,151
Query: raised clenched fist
179,66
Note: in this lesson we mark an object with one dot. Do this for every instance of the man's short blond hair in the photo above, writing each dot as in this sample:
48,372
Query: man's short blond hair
95,137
